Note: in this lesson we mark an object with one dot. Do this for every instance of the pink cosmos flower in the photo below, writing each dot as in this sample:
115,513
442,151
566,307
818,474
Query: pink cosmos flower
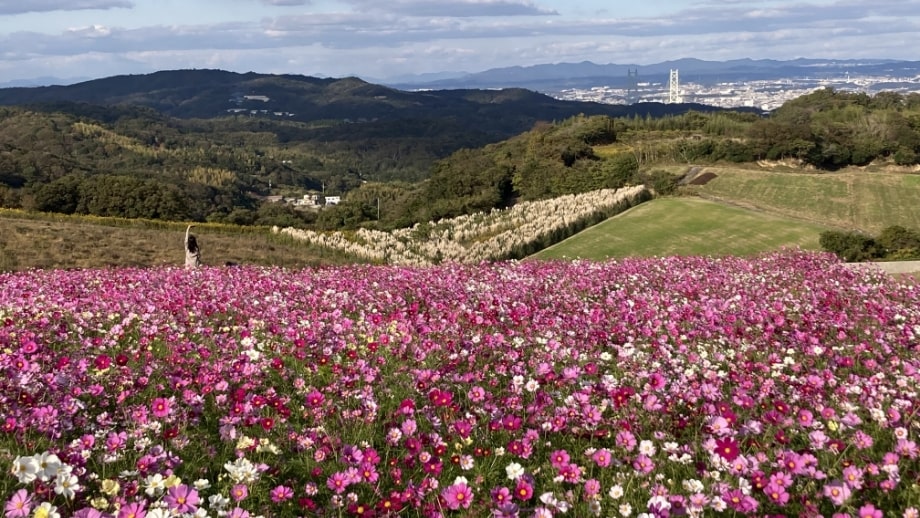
602,457
337,482
457,496
837,492
862,440
643,464
559,458
161,407
805,417
719,426
727,448
132,510
19,505
793,462
869,511
592,488
239,492
777,494
781,478
315,398
818,439
476,394
853,477
523,491
571,473
281,494
236,512
501,495
182,498
368,473
440,398
738,501
907,448
626,440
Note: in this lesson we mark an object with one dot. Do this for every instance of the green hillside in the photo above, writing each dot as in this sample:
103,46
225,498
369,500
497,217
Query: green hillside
686,226
851,199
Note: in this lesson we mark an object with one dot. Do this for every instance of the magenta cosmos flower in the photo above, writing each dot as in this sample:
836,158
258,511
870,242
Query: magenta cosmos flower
182,498
160,407
457,496
281,494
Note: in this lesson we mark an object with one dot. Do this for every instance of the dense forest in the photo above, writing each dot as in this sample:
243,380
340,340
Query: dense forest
135,161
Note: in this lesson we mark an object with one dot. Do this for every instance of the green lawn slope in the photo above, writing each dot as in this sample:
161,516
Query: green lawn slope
851,199
686,226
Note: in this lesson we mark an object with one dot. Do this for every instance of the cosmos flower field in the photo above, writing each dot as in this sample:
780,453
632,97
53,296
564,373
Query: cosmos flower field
783,385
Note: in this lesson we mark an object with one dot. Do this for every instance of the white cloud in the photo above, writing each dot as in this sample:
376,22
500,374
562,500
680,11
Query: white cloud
380,39
39,6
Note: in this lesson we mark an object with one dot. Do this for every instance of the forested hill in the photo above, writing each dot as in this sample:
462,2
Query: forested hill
196,144
216,93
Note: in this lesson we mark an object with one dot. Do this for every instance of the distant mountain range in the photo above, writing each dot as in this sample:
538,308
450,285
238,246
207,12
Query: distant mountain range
555,77
216,93
42,81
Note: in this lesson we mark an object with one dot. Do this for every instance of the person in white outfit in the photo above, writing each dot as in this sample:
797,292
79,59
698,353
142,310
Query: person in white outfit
192,252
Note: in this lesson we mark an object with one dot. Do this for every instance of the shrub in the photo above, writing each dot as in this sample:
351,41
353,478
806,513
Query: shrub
850,246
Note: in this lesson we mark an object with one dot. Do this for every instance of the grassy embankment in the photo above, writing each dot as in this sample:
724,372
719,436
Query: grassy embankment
30,240
749,211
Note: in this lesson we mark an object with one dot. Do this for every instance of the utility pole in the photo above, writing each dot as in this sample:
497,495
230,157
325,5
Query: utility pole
378,208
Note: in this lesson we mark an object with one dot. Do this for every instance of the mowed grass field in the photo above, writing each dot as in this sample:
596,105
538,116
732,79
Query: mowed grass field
851,199
686,226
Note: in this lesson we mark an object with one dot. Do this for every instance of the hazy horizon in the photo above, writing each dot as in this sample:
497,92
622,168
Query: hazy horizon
86,39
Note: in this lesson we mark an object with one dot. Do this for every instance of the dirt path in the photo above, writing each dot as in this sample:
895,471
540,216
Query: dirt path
891,267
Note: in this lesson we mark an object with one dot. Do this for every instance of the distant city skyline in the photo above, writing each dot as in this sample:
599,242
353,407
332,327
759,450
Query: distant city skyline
371,39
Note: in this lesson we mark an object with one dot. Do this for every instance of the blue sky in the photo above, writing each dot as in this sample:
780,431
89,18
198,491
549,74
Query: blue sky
386,39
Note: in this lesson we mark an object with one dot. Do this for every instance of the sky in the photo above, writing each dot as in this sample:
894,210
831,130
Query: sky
385,40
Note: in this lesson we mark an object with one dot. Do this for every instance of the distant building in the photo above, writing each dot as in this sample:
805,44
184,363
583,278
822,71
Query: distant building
263,98
308,200
333,200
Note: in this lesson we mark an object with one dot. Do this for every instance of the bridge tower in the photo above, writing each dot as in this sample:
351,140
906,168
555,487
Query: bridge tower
632,85
674,88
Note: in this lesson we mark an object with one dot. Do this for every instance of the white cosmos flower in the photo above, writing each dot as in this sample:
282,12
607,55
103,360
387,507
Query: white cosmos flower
66,484
155,485
647,448
50,464
242,471
218,502
514,471
158,513
25,469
